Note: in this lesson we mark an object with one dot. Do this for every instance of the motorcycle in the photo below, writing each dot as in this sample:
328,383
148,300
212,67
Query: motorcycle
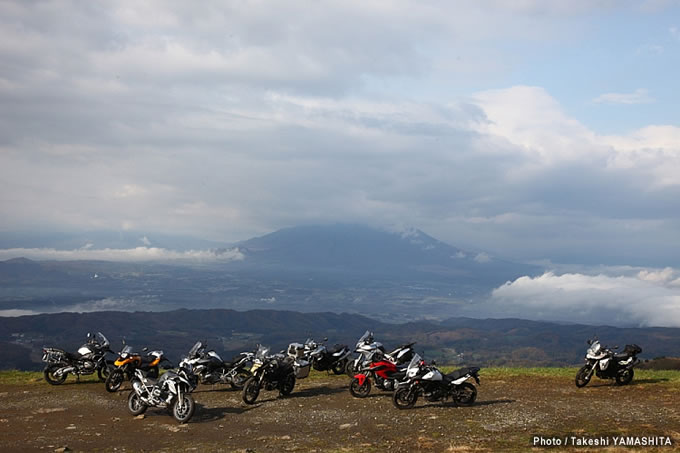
367,346
128,361
606,364
384,372
323,359
90,357
270,372
209,367
172,391
428,381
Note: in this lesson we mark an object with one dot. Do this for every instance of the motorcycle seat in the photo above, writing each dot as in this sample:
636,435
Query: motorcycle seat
621,356
72,356
461,372
398,375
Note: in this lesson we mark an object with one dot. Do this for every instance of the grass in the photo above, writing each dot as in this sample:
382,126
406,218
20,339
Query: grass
668,377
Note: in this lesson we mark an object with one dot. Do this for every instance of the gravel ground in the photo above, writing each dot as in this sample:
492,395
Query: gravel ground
321,415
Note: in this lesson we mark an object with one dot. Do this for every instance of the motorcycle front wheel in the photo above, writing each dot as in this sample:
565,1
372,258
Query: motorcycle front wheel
239,380
251,390
287,385
339,367
183,410
466,394
114,380
360,391
404,399
349,369
104,371
51,378
583,376
135,404
624,376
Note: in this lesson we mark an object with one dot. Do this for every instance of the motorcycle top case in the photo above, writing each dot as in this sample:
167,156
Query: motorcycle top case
632,349
296,350
302,368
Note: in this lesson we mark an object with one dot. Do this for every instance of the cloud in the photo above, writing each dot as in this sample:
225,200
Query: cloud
127,255
652,298
639,96
675,32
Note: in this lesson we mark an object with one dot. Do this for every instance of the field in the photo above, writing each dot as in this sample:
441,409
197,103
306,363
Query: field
513,406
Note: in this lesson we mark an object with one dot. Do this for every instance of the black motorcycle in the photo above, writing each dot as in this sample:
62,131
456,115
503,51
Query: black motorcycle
427,381
90,358
209,367
324,359
171,391
606,364
270,372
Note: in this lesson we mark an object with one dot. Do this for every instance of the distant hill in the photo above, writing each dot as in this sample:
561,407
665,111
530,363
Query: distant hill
460,340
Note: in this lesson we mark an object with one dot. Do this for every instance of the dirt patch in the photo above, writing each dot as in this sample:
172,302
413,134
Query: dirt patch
321,415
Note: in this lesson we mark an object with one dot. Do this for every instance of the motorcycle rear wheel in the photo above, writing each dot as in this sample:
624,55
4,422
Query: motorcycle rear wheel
288,384
51,378
135,404
624,376
251,390
114,380
360,391
185,410
466,394
583,376
349,369
403,398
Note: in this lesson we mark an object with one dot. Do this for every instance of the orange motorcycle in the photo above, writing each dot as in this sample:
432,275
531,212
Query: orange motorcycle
129,361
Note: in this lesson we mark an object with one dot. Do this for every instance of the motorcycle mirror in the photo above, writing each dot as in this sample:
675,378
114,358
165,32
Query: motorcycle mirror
325,338
123,341
590,341
434,362
145,349
616,347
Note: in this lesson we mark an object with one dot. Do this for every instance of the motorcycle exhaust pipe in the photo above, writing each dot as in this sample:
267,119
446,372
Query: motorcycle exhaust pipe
68,369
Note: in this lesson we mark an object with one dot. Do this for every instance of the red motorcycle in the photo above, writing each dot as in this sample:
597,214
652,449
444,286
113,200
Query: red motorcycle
382,371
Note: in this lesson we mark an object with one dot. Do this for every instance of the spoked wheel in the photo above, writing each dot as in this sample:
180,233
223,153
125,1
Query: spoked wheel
114,380
287,385
251,390
583,376
240,379
403,398
183,408
358,390
104,371
466,394
135,404
339,367
53,378
624,377
349,369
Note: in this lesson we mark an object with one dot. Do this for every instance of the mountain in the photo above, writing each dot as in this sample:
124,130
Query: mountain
362,249
390,275
457,340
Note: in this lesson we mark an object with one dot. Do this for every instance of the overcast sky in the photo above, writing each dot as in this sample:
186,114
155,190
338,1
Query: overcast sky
532,129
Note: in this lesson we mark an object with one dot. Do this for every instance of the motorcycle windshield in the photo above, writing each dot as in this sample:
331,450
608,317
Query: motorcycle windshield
127,350
101,339
193,353
594,348
365,338
262,352
415,362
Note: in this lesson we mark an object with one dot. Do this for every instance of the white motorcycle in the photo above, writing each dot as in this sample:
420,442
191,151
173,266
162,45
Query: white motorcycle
606,364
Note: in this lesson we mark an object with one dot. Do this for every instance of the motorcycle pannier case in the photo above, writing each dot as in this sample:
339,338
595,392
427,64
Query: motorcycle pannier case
302,368
296,350
52,355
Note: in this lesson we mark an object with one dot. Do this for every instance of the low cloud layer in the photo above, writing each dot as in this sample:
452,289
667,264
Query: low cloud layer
123,255
648,298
